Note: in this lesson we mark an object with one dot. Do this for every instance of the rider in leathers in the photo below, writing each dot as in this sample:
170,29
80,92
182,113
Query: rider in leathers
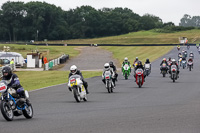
137,67
174,63
107,68
13,81
114,69
75,71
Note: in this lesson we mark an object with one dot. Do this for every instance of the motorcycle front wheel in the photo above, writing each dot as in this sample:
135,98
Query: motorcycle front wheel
76,95
6,111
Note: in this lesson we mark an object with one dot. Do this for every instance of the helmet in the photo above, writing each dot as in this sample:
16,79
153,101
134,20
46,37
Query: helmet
164,59
7,72
173,60
111,63
169,58
73,69
106,66
139,63
136,58
147,60
125,59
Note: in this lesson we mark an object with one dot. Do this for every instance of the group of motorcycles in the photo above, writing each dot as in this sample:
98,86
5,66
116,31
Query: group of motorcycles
182,62
165,69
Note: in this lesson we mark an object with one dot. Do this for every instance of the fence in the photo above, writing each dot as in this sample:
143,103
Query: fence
62,59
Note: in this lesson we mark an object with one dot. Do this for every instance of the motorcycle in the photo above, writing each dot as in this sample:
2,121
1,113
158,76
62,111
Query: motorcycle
184,62
139,77
180,62
109,82
190,65
126,70
174,73
192,56
12,105
78,90
188,47
147,68
185,54
164,69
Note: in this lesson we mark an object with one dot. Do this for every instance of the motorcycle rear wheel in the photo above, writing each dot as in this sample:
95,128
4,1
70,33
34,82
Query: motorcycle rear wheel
28,111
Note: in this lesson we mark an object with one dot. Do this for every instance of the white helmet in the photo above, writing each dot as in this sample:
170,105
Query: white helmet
173,60
73,69
106,66
125,59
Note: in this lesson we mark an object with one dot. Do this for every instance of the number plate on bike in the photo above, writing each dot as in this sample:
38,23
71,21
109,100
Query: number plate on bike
73,80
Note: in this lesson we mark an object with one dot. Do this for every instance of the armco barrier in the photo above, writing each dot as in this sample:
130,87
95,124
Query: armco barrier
55,62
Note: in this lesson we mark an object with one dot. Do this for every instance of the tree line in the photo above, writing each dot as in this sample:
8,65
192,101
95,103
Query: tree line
21,21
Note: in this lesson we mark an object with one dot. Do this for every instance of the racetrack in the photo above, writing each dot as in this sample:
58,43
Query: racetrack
160,106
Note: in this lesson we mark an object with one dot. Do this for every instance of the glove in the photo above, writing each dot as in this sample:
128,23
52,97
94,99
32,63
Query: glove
14,86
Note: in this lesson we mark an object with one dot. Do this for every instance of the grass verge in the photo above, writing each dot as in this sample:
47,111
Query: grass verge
140,37
50,51
34,80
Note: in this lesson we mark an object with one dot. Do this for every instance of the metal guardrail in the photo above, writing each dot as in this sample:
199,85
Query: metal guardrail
62,59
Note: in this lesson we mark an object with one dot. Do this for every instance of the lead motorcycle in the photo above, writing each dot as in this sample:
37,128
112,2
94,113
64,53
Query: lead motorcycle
12,105
174,75
78,90
139,77
109,82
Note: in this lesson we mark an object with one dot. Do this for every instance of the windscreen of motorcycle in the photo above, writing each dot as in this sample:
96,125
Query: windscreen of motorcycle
126,67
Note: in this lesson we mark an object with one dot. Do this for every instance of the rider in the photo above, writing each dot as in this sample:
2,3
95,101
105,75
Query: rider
190,60
174,63
179,55
147,62
169,61
13,81
75,71
114,69
178,47
125,61
137,67
191,54
164,61
107,68
136,60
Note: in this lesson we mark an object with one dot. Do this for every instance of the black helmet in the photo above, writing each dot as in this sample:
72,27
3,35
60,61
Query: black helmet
139,63
111,63
8,70
147,60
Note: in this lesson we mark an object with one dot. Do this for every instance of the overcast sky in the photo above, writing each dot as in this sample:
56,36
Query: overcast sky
167,10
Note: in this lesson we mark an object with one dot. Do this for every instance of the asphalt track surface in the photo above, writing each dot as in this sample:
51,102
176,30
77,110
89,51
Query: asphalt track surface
160,106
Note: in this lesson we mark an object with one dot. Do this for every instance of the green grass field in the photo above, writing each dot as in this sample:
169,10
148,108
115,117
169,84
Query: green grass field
50,51
34,80
140,37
